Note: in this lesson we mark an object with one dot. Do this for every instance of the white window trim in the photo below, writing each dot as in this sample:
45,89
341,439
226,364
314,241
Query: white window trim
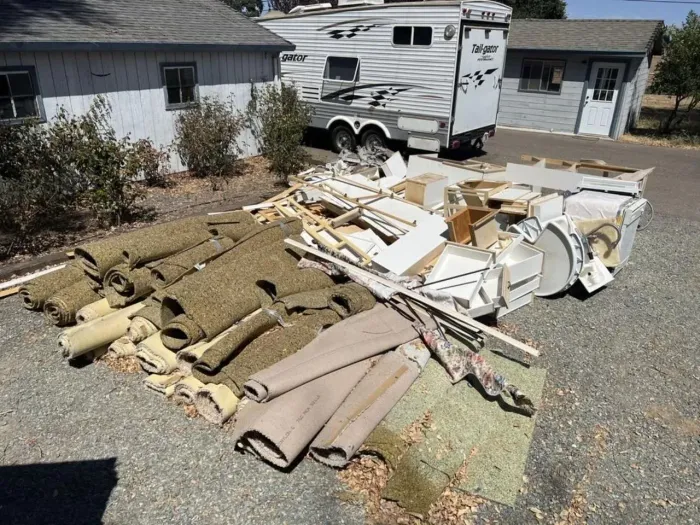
552,61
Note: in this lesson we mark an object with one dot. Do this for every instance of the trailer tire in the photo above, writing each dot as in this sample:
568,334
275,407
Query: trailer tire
342,137
373,137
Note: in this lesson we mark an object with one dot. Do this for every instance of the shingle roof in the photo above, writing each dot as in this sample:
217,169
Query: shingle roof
619,36
130,24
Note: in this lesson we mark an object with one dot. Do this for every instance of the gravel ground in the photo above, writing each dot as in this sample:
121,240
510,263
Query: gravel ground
617,439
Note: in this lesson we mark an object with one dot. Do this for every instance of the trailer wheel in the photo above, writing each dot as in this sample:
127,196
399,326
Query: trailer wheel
373,139
342,137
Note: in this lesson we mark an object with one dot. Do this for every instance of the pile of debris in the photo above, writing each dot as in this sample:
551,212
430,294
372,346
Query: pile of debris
310,316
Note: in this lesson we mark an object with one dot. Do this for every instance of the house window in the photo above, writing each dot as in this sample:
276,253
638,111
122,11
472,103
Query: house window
180,82
412,36
18,95
342,68
542,76
605,81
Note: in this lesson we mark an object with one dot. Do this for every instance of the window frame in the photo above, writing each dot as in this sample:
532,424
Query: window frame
40,117
543,61
356,76
179,65
432,35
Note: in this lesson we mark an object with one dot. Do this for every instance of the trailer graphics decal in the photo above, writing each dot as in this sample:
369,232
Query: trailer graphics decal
374,97
476,79
339,32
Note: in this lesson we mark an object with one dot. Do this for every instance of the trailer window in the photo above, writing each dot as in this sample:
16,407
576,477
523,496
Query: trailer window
412,36
542,76
342,68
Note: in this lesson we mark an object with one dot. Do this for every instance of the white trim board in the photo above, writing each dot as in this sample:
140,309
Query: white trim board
543,177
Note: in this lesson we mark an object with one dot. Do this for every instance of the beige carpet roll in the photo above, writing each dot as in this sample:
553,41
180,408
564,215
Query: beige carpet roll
367,405
97,333
280,430
172,268
162,384
364,335
35,292
62,307
154,357
186,390
122,347
140,328
187,357
216,403
93,311
141,246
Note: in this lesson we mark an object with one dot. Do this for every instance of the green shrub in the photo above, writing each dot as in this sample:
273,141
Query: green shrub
206,139
278,119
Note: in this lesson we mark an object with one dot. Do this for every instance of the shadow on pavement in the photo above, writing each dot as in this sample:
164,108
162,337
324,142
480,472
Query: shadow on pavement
56,493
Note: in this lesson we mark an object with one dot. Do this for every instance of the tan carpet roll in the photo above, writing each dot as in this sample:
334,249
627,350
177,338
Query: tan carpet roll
140,328
215,403
97,333
35,292
186,390
93,311
122,347
154,357
162,384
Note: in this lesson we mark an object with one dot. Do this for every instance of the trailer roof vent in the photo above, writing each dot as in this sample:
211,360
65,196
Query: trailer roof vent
351,3
306,8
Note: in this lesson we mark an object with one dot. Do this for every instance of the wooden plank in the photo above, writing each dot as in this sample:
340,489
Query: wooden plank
27,278
452,314
8,292
458,226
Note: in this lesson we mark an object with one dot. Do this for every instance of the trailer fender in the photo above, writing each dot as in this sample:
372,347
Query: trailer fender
347,120
365,123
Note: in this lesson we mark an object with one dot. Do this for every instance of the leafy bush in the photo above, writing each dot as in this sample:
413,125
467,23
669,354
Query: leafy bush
278,119
49,172
206,139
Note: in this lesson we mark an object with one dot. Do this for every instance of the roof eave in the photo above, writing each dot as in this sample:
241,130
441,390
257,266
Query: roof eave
142,46
579,51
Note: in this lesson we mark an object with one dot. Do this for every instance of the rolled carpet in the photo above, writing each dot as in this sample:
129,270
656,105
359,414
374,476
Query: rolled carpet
162,384
186,390
279,431
35,292
140,328
141,246
215,403
362,336
234,225
123,285
93,311
367,405
122,347
187,357
345,300
268,349
216,298
62,307
172,268
152,309
154,357
97,333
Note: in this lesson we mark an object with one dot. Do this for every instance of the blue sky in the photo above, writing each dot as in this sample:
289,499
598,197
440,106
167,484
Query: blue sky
670,13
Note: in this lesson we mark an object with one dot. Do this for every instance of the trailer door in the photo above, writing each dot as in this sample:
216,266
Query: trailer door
478,83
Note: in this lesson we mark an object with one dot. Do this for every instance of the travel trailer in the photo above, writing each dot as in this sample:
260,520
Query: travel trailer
426,73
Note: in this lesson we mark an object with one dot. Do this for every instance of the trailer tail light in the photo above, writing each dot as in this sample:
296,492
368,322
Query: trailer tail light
443,125
492,133
455,144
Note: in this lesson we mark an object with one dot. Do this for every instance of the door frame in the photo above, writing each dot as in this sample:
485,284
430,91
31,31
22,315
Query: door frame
626,63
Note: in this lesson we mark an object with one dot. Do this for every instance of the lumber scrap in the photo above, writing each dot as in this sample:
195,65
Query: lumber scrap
452,315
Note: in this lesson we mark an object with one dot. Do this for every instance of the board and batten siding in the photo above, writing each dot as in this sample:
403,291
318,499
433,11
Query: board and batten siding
629,94
546,111
131,82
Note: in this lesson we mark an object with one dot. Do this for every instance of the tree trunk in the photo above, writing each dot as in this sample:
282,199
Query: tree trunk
665,126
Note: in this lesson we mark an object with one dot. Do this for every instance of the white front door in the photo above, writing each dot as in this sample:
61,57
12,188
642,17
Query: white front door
601,98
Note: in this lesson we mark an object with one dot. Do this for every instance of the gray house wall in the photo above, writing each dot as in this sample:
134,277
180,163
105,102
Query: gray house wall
546,111
560,112
133,86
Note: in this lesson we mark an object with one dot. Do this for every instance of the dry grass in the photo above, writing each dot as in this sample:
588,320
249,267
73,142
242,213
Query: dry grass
655,108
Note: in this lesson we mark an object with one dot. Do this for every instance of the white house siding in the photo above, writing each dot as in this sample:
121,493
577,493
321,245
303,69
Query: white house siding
131,81
630,93
640,88
553,112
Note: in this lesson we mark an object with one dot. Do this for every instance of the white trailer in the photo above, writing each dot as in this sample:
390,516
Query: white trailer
427,73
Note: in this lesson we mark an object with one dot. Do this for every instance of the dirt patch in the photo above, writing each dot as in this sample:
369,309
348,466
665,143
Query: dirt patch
124,365
669,416
182,196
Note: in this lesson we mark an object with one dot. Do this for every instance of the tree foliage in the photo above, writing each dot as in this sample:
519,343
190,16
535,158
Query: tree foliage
555,9
249,8
678,73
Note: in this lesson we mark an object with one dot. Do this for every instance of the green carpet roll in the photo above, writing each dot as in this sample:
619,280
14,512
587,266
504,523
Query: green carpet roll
62,306
124,286
35,292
